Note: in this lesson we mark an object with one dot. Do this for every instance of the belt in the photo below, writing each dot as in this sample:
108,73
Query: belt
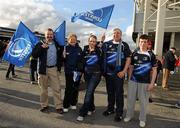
51,66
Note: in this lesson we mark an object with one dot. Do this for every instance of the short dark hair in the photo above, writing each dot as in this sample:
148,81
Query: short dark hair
92,36
144,36
49,29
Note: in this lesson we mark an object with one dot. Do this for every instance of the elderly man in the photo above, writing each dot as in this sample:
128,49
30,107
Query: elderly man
49,55
116,56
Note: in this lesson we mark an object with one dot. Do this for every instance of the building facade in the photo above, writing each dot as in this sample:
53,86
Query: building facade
160,19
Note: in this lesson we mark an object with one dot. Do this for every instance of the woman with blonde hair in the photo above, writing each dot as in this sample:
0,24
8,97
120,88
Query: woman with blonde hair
72,55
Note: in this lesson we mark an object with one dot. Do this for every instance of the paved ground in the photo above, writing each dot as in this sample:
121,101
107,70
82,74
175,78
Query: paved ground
19,104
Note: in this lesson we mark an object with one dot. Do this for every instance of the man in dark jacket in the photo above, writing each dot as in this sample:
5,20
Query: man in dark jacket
116,57
169,65
49,56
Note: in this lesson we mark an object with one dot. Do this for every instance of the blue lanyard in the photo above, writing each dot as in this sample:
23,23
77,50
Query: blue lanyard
119,50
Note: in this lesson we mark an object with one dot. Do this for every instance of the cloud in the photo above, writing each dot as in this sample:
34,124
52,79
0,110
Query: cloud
127,36
129,30
38,15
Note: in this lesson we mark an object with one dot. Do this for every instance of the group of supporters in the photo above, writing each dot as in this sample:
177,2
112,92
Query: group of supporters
111,59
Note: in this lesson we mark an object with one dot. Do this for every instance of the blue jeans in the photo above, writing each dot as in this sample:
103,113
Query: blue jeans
92,80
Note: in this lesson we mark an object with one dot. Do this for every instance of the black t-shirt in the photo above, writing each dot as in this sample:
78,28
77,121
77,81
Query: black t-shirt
143,63
110,56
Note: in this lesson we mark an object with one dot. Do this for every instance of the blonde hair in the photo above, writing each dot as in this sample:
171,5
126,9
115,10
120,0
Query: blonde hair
72,35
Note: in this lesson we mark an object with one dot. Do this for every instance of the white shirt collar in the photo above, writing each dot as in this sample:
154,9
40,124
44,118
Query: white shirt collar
114,42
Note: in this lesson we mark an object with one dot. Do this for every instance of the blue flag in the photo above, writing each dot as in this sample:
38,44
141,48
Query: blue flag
60,33
20,46
99,17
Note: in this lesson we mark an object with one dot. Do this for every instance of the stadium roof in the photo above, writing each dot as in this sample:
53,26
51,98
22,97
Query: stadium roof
8,33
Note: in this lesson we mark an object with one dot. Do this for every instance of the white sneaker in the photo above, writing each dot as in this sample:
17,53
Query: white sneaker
80,118
32,82
73,107
142,124
177,105
90,113
65,110
127,119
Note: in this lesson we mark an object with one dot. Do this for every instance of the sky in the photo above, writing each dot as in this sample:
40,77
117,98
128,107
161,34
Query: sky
38,15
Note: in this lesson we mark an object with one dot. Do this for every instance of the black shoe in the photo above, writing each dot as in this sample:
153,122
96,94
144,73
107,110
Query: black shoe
60,111
45,109
117,118
150,100
107,112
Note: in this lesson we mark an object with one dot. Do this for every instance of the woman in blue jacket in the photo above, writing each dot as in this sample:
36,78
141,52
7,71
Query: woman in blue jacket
72,54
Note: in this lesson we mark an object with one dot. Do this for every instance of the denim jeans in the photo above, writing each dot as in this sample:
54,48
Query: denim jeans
92,80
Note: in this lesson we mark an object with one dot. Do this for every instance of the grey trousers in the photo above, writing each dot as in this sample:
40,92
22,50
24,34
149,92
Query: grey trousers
137,89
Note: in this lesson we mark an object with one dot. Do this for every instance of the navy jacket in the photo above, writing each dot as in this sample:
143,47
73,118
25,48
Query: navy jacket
41,54
73,57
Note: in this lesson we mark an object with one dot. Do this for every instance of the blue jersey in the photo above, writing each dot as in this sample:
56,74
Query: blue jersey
143,63
92,60
110,56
